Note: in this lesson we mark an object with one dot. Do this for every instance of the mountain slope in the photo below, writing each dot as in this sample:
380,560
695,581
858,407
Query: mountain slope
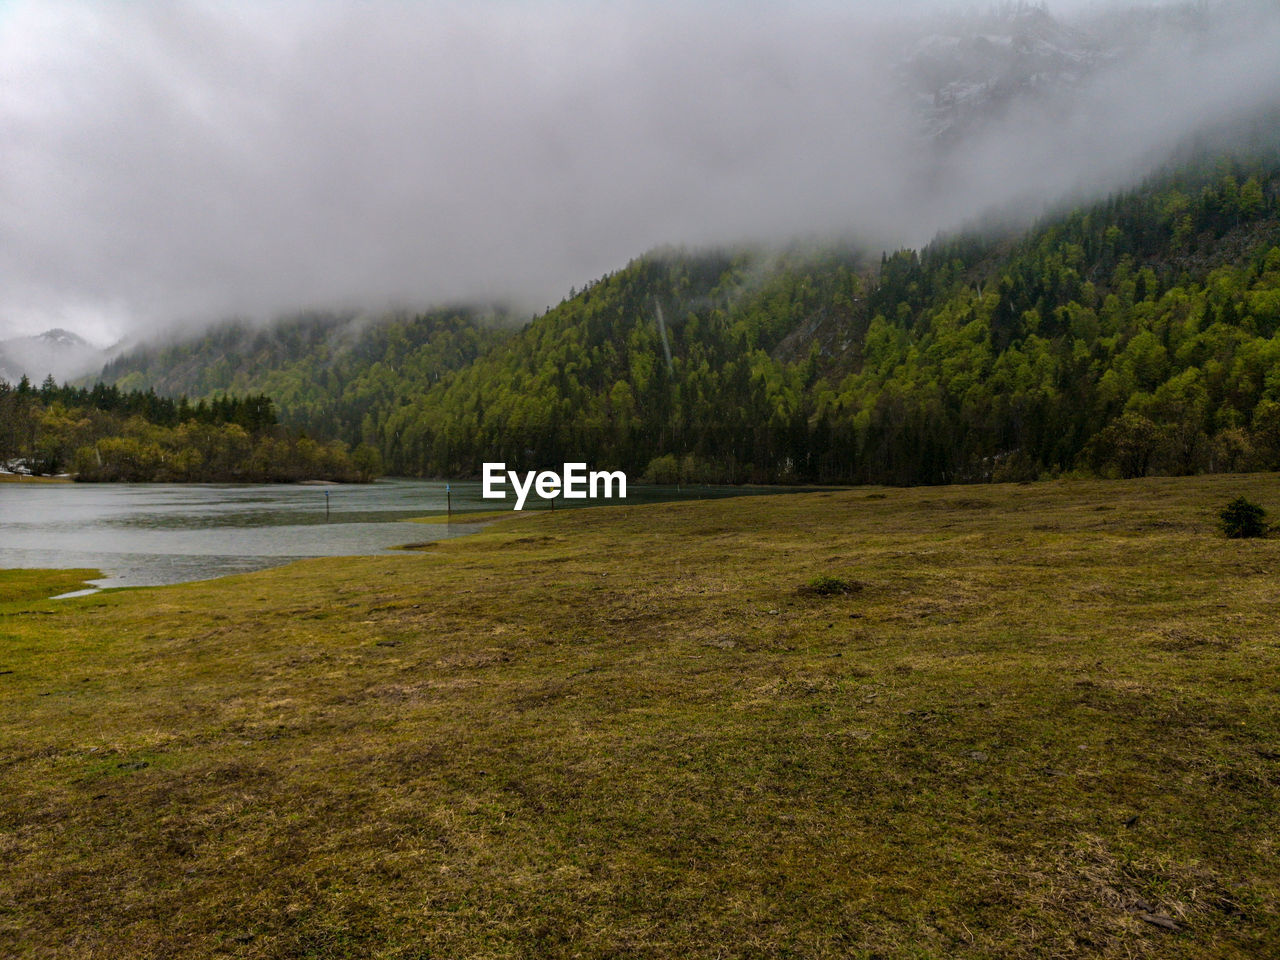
326,373
1133,335
1146,321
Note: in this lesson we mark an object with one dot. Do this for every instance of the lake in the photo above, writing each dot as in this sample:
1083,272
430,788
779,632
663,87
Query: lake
146,534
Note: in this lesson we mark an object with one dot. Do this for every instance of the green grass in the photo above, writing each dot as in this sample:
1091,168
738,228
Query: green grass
23,585
1048,712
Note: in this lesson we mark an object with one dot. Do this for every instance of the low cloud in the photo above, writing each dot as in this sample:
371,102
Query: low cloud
168,164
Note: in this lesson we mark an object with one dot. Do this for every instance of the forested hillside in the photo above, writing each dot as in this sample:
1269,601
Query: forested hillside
333,375
1137,335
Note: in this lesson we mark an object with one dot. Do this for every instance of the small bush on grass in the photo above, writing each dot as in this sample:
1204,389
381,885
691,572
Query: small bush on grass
1243,518
826,586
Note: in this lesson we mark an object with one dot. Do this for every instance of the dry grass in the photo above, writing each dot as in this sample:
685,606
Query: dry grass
1047,725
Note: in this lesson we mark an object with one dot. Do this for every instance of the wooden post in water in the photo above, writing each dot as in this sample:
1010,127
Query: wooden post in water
326,506
448,493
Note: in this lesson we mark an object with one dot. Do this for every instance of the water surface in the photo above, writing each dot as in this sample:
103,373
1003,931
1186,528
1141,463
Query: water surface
144,534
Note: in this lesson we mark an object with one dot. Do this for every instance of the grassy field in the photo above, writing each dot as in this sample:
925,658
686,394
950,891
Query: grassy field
1032,721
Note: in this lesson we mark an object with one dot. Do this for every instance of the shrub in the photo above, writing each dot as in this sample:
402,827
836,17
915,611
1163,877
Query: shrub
1243,518
689,468
826,586
663,469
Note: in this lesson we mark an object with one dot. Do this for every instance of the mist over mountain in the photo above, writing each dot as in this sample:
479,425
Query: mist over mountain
1136,334
60,353
171,164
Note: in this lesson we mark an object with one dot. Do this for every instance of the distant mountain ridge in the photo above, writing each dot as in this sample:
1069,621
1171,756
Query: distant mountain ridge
964,76
57,352
974,68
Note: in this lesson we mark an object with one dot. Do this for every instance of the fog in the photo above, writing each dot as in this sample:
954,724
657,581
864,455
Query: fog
166,164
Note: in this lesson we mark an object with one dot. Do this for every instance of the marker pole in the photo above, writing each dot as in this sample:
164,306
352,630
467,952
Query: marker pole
326,506
448,493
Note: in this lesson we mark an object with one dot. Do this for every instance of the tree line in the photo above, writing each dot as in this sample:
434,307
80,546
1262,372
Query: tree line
103,433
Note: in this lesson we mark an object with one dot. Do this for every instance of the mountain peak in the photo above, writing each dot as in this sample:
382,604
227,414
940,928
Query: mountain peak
60,352
63,337
971,69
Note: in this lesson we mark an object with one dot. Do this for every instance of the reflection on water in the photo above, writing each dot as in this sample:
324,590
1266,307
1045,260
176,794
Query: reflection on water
144,534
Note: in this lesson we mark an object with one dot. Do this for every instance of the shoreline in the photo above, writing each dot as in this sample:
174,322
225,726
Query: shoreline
27,478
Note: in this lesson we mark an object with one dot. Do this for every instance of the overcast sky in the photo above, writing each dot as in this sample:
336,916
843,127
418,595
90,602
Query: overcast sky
171,163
